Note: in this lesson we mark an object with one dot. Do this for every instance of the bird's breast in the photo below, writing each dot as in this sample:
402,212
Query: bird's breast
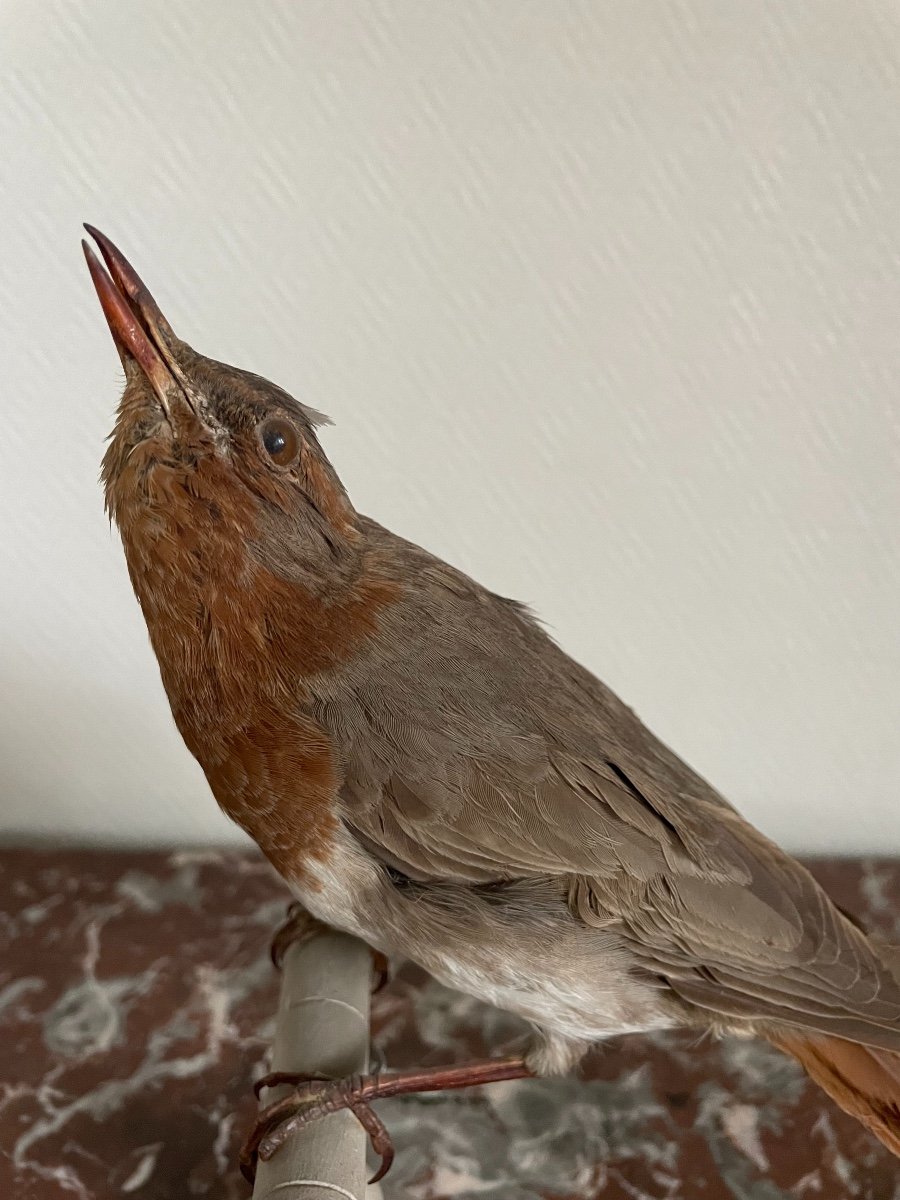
239,646
276,777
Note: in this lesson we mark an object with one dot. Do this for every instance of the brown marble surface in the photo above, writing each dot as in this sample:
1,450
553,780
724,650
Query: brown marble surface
137,1002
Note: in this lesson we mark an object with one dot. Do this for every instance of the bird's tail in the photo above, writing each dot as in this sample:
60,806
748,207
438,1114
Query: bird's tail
863,1080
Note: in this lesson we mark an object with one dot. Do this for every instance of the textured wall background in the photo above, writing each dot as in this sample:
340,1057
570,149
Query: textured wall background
604,299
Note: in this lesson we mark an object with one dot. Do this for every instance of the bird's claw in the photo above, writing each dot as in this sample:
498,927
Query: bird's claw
381,969
300,925
311,1100
277,1078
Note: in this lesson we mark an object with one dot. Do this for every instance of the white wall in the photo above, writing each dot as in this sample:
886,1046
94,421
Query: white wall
605,301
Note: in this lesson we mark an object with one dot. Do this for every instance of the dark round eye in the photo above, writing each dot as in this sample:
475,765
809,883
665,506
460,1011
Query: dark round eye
280,440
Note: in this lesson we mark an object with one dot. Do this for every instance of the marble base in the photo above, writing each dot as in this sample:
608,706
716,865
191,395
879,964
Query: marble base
137,1003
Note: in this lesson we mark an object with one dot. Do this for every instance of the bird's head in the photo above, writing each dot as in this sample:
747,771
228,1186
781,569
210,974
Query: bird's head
206,459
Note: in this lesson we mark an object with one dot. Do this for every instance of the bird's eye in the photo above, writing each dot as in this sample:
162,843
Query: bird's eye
280,440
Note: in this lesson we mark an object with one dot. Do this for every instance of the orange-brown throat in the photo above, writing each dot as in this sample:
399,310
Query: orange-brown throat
252,581
238,647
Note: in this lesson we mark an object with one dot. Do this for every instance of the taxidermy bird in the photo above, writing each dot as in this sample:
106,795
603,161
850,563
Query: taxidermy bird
430,772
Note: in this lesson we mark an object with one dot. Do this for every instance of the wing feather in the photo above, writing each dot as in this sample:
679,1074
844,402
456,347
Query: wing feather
474,750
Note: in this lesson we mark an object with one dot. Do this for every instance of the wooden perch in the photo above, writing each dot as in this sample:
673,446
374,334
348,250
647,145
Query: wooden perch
322,1030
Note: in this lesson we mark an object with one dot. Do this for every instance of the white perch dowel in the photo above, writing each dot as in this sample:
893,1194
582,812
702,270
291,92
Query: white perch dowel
322,1030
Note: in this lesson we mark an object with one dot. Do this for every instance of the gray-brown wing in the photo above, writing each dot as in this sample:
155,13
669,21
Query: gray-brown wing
475,750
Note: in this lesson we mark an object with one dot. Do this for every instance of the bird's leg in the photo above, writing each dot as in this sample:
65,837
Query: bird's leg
314,1098
299,926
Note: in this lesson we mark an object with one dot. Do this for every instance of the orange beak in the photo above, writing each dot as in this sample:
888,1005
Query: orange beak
138,327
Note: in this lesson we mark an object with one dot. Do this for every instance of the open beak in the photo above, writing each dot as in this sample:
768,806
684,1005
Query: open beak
139,329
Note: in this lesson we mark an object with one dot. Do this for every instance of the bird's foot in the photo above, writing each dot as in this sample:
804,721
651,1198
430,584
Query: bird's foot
310,1100
300,925
316,1098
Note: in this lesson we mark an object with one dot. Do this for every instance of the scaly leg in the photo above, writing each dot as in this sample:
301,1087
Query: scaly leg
314,1098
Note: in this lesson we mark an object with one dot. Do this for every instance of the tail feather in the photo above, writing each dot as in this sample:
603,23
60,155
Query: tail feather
864,1081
